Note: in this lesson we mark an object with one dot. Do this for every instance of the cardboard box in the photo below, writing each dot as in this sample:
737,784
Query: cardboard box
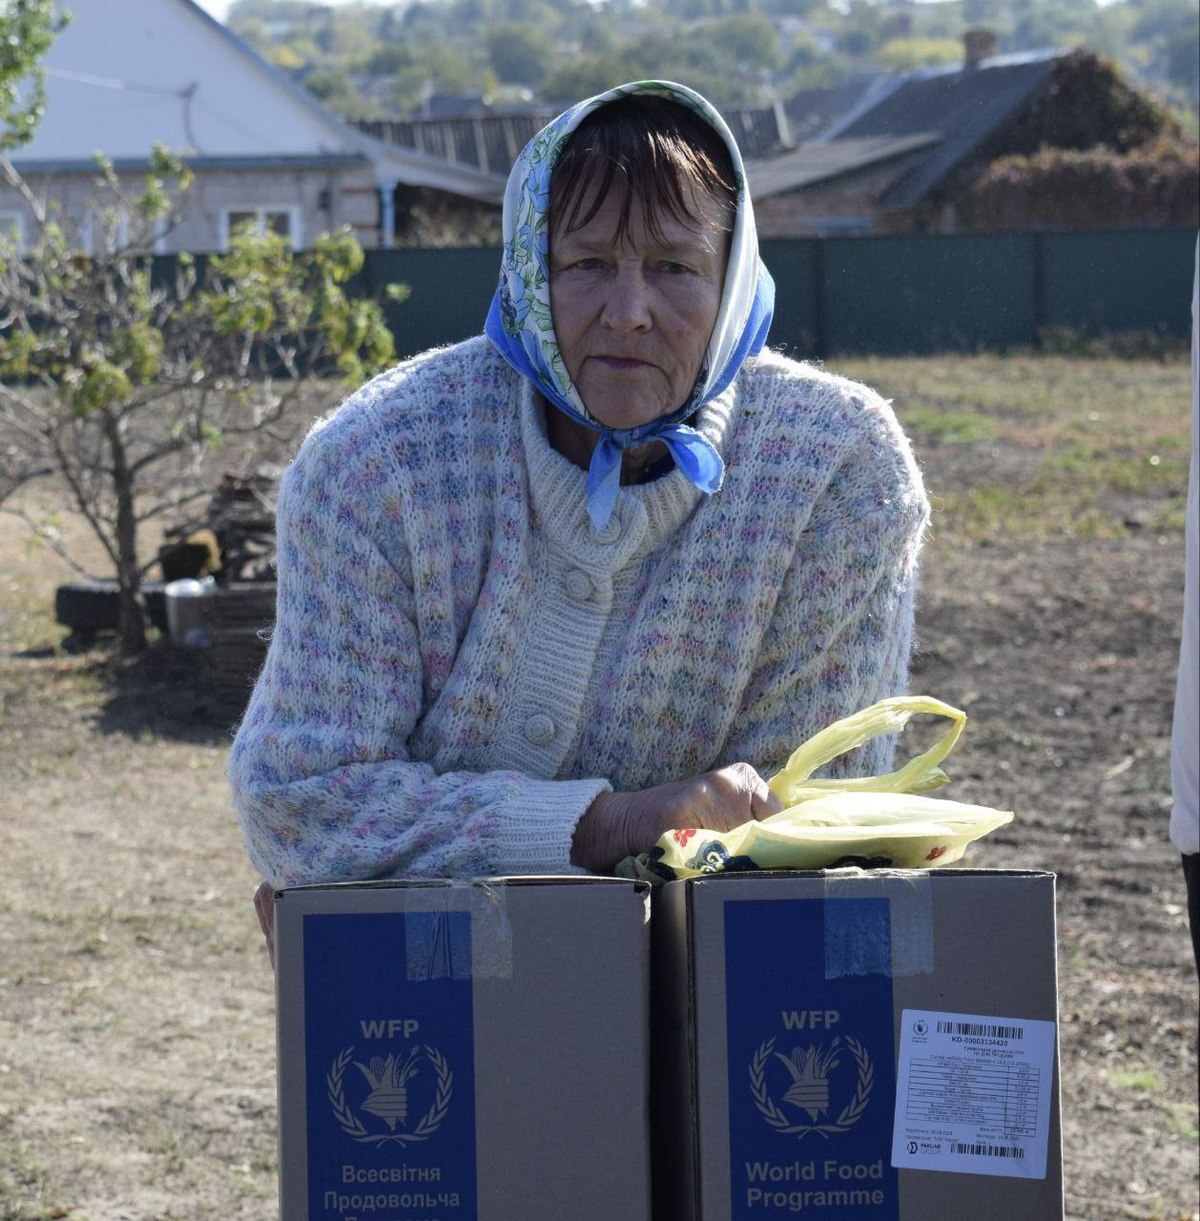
464,1052
852,1044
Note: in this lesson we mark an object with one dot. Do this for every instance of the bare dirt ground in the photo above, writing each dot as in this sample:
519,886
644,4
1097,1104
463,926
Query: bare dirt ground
1064,656
136,1011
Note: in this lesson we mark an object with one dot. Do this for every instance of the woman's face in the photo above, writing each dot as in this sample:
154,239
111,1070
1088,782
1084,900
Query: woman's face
633,318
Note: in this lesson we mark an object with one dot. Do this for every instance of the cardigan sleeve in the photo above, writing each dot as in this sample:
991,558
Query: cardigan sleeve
320,771
842,630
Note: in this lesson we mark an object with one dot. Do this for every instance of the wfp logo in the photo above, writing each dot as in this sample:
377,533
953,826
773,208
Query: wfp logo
380,1091
823,1087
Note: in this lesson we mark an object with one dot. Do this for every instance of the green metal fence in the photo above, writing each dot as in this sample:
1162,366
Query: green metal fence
883,295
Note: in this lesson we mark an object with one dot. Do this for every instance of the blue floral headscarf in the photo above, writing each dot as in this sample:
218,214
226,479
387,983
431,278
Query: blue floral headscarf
520,326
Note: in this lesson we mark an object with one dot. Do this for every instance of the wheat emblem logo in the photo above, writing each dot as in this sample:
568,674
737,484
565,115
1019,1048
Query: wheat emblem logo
387,1100
810,1068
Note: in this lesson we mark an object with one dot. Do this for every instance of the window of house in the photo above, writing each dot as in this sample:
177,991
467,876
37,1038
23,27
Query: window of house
283,221
12,230
104,231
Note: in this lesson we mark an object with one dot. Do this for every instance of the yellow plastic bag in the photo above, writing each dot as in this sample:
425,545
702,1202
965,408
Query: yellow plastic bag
792,784
879,819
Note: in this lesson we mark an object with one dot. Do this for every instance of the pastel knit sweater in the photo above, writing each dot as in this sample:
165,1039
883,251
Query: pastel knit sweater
460,663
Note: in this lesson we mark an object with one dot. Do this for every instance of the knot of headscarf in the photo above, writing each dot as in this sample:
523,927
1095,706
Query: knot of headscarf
521,328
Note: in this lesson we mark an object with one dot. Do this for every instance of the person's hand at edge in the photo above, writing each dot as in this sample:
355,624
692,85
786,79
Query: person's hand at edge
264,907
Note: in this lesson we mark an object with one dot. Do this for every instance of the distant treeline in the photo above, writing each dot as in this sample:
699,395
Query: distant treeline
394,60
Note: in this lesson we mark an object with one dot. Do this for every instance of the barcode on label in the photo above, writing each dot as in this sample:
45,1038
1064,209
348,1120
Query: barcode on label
988,1030
987,1150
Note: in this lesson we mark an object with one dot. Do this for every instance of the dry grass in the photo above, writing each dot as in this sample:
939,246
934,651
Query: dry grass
1075,448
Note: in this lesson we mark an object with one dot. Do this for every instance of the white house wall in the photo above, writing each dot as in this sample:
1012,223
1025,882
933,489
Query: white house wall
319,199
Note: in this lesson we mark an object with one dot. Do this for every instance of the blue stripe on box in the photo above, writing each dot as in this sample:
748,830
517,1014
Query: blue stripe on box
811,1059
390,1065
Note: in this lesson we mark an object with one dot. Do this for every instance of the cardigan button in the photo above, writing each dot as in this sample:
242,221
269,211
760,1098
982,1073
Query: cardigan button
540,729
611,530
578,585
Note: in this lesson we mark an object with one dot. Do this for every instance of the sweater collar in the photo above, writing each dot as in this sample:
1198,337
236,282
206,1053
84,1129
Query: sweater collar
644,515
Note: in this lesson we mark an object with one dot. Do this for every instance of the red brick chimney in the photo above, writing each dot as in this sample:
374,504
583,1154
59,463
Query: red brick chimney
978,45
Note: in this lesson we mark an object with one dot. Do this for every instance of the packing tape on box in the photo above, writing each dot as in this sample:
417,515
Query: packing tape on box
897,939
439,947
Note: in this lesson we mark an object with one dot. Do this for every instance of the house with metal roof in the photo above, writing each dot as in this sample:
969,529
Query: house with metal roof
489,140
878,152
123,77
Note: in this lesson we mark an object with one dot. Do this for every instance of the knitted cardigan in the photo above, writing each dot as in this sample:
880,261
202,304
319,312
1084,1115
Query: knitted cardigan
461,663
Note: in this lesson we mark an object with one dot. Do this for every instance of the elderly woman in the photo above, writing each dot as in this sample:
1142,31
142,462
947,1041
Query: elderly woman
551,592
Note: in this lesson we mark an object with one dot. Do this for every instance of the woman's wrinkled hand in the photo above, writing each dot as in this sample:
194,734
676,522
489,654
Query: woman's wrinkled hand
618,825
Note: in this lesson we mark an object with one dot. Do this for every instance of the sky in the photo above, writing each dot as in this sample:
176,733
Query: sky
218,8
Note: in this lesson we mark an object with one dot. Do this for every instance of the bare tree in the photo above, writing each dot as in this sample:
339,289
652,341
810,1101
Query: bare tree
122,374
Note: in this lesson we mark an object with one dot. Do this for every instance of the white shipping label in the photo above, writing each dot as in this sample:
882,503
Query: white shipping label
973,1094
